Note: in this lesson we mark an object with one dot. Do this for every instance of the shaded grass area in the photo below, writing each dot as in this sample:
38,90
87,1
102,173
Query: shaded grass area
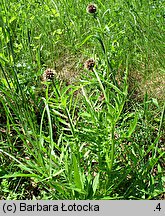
86,133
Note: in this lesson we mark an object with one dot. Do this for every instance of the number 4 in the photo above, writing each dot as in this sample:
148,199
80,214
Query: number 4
158,207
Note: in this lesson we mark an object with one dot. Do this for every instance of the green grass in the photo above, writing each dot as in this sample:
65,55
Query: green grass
86,134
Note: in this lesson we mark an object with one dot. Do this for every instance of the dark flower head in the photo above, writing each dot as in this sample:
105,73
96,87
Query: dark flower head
48,74
89,64
91,8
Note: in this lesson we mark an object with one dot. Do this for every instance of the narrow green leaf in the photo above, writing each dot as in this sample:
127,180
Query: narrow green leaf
77,174
85,40
132,126
95,183
15,175
59,114
155,102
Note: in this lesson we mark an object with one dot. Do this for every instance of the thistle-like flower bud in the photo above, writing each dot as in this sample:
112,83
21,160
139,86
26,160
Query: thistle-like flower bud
91,8
48,74
89,64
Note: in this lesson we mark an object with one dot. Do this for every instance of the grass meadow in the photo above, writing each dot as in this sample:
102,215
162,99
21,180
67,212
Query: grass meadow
82,99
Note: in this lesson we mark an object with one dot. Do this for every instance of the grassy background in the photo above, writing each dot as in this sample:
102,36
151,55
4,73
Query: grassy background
87,134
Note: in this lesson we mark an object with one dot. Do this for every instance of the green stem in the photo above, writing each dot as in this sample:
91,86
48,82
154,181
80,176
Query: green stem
112,146
159,131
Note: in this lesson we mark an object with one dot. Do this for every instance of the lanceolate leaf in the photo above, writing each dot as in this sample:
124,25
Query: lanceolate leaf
132,126
95,183
77,174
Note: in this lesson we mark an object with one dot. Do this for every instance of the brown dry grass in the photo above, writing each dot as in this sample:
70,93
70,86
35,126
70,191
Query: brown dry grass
154,85
68,67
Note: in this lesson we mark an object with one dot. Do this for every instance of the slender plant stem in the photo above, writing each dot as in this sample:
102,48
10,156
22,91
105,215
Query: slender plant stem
112,146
